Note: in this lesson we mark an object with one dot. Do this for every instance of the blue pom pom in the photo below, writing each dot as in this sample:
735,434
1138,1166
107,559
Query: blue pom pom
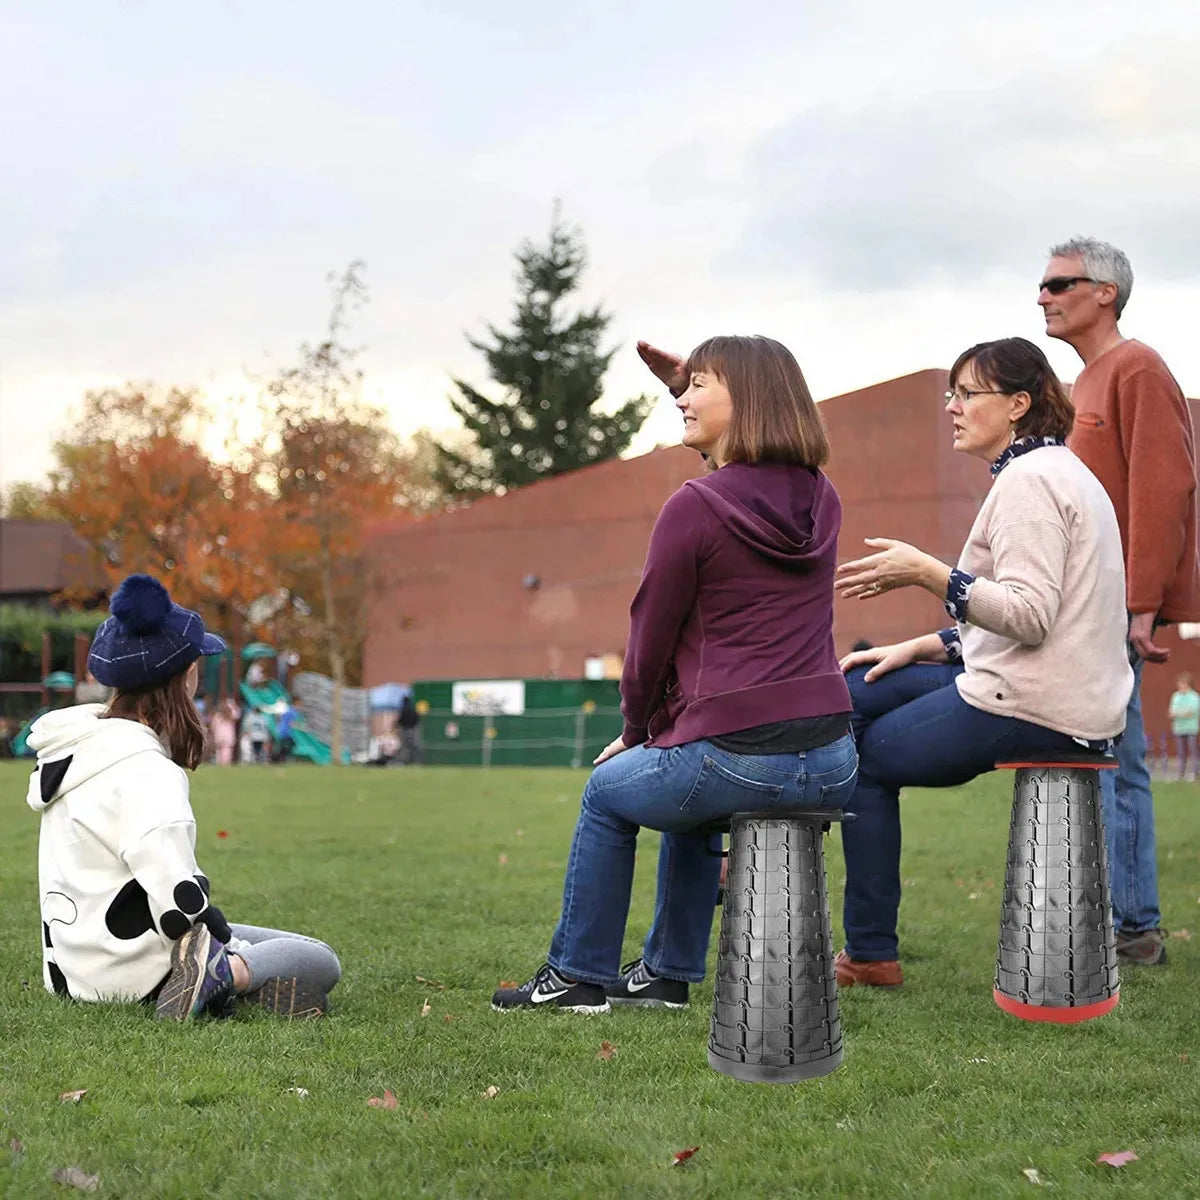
140,604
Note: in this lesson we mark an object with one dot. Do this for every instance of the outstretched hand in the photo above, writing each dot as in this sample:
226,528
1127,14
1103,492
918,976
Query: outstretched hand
666,366
896,565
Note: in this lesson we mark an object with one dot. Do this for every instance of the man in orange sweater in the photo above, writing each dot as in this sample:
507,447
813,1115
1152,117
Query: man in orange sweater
1134,431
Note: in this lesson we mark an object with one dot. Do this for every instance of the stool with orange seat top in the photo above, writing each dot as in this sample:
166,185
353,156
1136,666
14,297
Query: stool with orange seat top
1057,958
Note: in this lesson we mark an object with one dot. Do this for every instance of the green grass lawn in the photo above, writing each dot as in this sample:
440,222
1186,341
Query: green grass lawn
455,875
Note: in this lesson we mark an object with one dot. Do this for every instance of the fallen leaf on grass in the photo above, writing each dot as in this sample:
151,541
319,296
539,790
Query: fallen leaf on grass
298,1091
520,833
433,983
509,983
73,1097
1185,1058
387,1100
681,1156
447,1017
221,833
503,859
606,1051
17,1146
426,1009
491,1093
1117,1158
1185,934
74,1177
1031,1174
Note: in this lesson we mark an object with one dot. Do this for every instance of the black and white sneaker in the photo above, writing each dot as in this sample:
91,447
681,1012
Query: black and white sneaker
639,985
548,989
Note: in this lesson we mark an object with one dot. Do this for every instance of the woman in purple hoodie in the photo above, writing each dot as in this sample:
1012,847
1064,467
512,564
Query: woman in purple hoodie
731,692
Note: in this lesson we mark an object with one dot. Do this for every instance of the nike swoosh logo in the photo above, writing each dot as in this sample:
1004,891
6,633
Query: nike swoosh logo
637,987
542,997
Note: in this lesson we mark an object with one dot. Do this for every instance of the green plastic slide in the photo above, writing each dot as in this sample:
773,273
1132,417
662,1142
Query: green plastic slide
20,744
304,744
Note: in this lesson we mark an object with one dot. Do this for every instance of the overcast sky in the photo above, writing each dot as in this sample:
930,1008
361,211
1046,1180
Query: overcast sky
873,183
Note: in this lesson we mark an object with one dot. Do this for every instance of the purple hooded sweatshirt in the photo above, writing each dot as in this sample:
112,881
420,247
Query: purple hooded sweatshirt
732,625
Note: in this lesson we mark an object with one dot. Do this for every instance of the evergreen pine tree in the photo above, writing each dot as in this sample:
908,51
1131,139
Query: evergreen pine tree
550,367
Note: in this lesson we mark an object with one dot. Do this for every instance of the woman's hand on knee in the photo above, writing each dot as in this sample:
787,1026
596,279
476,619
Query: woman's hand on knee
880,659
615,747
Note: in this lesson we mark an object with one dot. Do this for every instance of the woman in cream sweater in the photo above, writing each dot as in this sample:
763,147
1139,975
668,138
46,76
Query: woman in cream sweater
1035,663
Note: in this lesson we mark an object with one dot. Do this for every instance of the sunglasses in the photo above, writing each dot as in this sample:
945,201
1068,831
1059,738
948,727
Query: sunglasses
1063,283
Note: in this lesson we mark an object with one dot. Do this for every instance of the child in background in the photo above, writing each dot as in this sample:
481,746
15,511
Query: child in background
125,908
224,732
1184,712
256,728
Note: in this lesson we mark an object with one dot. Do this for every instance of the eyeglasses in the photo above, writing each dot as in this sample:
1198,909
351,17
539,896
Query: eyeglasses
963,395
1063,283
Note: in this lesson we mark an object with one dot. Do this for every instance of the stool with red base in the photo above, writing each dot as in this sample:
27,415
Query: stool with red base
1057,955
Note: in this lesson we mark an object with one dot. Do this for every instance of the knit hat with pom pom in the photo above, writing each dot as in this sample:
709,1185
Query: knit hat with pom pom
147,639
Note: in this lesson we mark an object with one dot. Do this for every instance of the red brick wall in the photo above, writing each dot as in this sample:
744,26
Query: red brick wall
452,604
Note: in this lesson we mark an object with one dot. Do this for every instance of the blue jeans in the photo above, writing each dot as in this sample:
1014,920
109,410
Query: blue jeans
1129,824
678,791
913,730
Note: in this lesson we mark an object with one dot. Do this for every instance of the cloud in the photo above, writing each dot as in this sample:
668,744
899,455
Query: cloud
984,174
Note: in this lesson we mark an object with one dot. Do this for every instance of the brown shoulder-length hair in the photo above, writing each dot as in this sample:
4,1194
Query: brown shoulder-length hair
1014,365
774,418
168,709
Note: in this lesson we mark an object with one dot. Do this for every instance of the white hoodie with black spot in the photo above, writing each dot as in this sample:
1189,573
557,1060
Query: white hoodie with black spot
117,856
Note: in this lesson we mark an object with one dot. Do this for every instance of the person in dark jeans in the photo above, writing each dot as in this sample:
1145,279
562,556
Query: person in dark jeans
1035,663
409,725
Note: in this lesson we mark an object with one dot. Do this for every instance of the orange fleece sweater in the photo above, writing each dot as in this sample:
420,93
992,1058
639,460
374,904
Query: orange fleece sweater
1133,429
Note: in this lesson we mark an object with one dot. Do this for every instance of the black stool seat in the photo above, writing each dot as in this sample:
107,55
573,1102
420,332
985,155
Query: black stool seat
1078,758
1056,956
775,1011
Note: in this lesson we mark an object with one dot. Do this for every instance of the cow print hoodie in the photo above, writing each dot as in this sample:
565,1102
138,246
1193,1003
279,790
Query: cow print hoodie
116,860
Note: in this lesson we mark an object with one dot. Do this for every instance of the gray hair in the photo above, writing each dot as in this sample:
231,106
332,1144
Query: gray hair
1103,262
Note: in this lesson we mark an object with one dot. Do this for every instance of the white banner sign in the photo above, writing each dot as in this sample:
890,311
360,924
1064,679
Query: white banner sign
488,698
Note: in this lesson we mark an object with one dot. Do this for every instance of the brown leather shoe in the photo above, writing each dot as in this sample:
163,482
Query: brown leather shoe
850,971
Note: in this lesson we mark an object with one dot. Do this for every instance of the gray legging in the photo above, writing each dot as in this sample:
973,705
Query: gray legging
271,953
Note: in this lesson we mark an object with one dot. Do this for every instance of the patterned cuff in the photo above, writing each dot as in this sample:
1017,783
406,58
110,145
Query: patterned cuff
958,592
953,644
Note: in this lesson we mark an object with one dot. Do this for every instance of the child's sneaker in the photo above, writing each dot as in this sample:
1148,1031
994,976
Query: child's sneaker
639,985
200,976
548,989
291,999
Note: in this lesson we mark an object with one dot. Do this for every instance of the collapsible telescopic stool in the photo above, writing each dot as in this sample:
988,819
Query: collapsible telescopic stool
775,1009
1057,955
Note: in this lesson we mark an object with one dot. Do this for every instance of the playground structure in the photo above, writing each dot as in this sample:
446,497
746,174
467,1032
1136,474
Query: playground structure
56,683
220,678
558,722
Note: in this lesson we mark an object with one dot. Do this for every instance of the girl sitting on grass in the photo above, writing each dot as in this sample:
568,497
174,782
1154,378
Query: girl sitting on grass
125,909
